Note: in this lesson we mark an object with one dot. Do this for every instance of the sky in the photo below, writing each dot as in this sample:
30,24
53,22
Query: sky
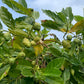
54,5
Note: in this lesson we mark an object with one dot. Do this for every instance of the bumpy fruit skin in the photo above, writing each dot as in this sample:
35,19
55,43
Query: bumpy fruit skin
2,39
66,44
33,62
12,60
33,43
69,37
77,41
26,42
37,26
21,54
36,39
7,36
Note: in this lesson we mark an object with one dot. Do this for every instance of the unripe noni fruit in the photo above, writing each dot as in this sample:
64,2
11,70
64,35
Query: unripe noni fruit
7,36
66,44
37,26
69,37
37,67
36,39
26,42
77,41
12,60
33,62
21,54
2,39
33,43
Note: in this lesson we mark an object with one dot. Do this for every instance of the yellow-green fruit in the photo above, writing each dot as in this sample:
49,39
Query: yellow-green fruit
72,72
36,39
33,43
37,26
12,60
2,39
7,36
26,42
37,67
21,54
69,37
77,41
66,44
33,62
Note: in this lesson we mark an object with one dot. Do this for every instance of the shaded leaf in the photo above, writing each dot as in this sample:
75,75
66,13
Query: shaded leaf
66,75
1,26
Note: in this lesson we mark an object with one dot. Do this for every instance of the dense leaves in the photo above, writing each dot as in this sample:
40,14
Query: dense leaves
28,57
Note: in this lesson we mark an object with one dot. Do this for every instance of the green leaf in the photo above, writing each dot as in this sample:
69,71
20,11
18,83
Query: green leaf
23,25
66,75
52,72
35,14
78,18
50,24
6,17
55,80
18,7
1,26
14,73
69,13
23,3
62,16
56,63
19,32
53,15
26,72
4,71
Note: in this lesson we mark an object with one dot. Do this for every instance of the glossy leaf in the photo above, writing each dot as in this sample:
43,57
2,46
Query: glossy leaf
6,17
